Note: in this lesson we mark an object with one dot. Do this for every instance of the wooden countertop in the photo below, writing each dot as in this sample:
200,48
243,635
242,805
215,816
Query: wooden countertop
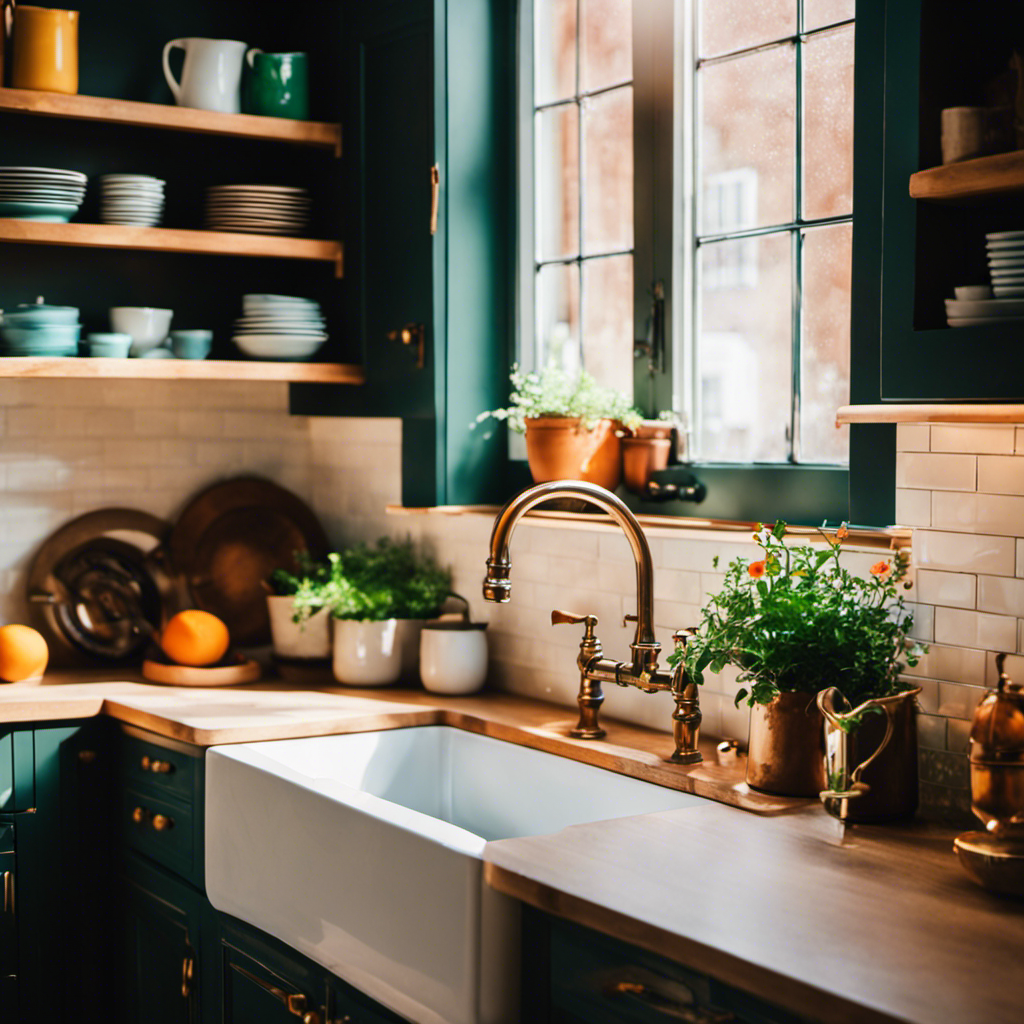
878,926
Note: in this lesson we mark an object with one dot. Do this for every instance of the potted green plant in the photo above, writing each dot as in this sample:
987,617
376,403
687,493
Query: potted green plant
379,597
570,423
299,617
797,622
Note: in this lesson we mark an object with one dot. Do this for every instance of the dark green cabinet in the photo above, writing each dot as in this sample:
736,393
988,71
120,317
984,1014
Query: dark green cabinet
8,919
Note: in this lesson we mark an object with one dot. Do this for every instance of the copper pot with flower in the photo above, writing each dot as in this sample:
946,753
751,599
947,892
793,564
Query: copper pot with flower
796,622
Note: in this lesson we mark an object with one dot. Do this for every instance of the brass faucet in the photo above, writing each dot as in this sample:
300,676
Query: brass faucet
642,670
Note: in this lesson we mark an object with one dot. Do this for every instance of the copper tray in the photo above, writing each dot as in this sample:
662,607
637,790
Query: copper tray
230,538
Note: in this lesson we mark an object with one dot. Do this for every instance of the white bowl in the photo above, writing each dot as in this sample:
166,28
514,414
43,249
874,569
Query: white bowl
146,326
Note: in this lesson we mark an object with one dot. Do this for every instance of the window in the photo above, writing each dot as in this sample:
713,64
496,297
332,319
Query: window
756,114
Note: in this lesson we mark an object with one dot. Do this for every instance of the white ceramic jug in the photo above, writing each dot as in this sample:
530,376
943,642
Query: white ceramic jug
211,78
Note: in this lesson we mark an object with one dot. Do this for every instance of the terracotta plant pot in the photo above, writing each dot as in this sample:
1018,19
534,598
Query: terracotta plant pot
642,456
560,448
787,746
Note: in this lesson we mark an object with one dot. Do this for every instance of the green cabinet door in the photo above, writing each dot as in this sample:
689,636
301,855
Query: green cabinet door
162,942
8,920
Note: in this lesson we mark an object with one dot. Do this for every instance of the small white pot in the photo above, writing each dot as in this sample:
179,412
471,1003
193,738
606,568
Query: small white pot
367,653
453,656
308,639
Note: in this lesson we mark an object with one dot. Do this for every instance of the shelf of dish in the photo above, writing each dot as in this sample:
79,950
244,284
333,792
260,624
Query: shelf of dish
981,178
317,134
181,369
117,236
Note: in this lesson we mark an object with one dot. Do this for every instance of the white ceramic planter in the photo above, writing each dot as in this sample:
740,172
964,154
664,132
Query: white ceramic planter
308,639
367,653
453,657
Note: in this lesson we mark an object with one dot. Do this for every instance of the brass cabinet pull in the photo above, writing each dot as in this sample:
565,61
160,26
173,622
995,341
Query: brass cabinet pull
158,822
188,966
9,892
295,1002
413,335
670,999
159,767
435,197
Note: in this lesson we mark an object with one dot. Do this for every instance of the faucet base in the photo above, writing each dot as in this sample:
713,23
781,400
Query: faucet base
689,757
582,732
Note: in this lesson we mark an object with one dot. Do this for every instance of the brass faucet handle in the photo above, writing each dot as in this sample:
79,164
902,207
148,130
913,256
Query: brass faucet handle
571,619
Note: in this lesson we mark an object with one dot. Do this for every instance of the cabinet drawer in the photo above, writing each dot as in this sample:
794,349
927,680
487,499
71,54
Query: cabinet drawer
149,767
603,981
160,828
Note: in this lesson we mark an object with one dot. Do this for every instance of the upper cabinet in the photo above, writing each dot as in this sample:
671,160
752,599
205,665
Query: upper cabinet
429,228
934,218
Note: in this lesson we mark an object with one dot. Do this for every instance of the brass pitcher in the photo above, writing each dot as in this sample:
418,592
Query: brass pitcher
865,785
45,49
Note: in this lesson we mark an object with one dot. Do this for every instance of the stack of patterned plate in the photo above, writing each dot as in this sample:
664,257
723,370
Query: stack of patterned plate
135,199
279,327
41,193
1005,250
257,209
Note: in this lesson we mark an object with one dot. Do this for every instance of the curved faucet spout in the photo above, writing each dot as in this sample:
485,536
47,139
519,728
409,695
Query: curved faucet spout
498,586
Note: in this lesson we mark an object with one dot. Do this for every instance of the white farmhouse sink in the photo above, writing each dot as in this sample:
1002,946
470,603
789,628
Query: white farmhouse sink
364,853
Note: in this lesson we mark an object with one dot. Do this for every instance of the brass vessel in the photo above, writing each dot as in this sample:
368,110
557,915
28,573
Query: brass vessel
786,753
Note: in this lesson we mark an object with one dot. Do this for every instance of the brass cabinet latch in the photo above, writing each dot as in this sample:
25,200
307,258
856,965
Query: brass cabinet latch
435,197
412,334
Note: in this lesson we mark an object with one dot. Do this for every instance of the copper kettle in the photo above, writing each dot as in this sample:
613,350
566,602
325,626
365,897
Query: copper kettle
997,755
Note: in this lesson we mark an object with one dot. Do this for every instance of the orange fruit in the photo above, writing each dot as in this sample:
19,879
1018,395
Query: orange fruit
23,653
195,637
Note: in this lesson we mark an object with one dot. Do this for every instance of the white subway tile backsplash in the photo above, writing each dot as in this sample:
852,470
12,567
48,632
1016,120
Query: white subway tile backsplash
1013,667
936,472
961,664
979,439
946,588
913,508
1019,444
975,629
677,585
912,437
1020,556
958,735
959,701
978,513
931,731
1001,474
1001,594
924,621
935,549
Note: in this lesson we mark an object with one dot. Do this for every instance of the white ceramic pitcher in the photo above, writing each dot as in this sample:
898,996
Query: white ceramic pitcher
211,78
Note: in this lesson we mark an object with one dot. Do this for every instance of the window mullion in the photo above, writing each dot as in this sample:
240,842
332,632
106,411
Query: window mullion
798,243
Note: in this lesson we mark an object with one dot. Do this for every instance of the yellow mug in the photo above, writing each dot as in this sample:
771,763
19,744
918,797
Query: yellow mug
45,49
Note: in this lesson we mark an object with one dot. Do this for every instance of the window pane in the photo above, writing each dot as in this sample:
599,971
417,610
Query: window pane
558,170
558,316
727,25
554,66
825,354
744,350
828,124
606,43
818,13
608,321
747,129
608,171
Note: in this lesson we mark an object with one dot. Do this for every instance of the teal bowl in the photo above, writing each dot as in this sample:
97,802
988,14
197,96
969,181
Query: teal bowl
43,336
38,314
53,213
108,345
191,344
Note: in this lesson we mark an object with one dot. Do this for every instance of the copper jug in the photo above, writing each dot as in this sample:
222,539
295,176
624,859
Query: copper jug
997,755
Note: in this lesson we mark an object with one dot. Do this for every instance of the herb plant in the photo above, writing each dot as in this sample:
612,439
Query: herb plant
796,620
390,580
305,586
553,392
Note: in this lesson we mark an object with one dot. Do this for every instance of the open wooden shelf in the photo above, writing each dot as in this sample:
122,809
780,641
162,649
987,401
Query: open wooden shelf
181,369
931,413
117,236
318,134
985,176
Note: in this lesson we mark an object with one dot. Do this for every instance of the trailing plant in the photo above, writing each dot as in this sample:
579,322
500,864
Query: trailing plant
389,580
797,620
553,392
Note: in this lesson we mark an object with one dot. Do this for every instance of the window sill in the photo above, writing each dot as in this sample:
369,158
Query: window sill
888,539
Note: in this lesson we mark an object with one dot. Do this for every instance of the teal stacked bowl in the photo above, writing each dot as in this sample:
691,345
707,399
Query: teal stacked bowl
36,329
107,345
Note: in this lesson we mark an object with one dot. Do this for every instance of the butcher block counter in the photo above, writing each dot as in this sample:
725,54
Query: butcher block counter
875,925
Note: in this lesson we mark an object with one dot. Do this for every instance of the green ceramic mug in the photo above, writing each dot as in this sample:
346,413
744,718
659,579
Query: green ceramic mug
277,85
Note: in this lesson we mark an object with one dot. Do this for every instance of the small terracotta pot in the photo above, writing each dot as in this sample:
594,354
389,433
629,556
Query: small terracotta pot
559,448
642,456
787,746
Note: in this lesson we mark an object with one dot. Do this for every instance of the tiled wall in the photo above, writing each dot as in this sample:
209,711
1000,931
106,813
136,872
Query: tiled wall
962,487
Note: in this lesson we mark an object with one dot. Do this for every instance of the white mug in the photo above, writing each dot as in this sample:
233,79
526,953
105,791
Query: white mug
211,78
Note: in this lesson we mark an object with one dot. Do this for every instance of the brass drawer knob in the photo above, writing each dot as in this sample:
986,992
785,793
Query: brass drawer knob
139,815
158,822
159,767
161,823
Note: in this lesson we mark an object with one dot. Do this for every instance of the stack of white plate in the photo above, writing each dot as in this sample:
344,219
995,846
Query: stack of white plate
972,312
135,199
283,327
257,209
1005,251
41,193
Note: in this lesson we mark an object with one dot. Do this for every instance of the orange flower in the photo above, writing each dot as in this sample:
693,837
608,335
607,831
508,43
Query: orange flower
756,569
843,532
881,569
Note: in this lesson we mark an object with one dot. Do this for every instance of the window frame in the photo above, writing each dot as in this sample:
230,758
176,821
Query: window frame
665,191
